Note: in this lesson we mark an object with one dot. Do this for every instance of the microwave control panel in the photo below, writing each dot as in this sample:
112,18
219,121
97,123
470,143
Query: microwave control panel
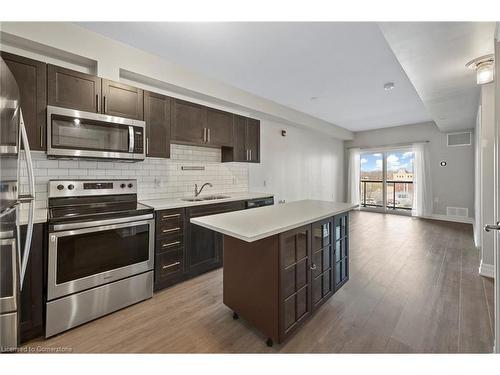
138,140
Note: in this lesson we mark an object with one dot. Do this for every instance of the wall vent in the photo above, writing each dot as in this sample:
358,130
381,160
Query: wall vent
457,211
459,139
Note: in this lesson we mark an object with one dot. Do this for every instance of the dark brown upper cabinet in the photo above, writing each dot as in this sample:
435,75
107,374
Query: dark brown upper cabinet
246,141
71,89
32,81
252,140
219,130
85,92
122,100
157,116
189,122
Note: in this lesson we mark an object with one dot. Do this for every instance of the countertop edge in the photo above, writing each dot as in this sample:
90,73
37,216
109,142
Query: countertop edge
178,203
271,232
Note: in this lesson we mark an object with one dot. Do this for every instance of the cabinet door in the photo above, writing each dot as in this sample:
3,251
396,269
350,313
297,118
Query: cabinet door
157,117
31,78
220,128
239,138
204,246
189,122
71,89
341,251
31,305
295,278
122,100
252,140
322,262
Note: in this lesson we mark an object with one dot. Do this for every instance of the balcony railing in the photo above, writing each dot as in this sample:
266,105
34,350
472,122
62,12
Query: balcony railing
399,194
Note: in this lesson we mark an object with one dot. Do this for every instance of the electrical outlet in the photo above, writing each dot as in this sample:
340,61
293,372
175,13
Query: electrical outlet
265,183
157,182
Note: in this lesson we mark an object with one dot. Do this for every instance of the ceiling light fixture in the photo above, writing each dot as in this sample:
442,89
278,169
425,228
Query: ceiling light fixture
389,86
484,67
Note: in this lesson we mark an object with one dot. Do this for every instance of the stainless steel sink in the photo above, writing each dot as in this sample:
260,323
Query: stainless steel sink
206,198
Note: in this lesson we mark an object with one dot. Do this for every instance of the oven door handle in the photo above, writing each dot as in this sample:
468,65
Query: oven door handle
99,223
130,139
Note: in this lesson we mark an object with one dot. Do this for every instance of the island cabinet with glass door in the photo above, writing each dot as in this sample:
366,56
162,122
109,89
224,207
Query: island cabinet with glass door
276,282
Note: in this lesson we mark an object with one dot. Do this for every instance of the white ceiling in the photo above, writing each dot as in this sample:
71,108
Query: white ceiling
433,55
344,65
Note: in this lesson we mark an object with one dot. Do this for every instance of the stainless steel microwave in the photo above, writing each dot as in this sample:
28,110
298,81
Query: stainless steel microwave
78,134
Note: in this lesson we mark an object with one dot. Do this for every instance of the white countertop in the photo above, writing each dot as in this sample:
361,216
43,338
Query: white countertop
166,204
257,223
40,216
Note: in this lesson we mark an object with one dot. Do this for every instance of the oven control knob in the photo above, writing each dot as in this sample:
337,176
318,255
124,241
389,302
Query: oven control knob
122,186
60,187
130,185
71,186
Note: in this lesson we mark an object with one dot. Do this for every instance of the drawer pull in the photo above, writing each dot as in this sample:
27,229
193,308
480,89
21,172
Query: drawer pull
170,230
171,244
170,265
170,216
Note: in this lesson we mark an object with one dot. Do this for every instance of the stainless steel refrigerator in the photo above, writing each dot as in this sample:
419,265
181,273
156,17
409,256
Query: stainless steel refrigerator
13,255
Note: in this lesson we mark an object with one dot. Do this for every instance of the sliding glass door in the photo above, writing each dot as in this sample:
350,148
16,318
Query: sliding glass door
386,181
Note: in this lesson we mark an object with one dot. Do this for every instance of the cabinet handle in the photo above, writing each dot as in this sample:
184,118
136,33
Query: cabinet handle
170,244
170,230
147,146
41,138
313,266
97,102
170,216
170,265
208,134
104,104
250,158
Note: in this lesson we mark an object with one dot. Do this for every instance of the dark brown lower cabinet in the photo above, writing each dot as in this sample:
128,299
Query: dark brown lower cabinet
278,282
169,248
183,250
204,246
31,300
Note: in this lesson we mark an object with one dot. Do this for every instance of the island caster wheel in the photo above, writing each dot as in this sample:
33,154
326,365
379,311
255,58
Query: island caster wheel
269,342
235,316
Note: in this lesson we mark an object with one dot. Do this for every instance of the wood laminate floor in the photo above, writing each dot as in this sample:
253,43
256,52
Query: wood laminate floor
414,288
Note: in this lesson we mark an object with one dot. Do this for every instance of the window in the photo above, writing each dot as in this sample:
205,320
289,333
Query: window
387,180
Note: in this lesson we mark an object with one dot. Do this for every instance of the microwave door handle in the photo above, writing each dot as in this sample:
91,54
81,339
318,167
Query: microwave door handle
130,139
27,199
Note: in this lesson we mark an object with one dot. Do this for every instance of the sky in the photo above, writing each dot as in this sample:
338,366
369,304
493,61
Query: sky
395,161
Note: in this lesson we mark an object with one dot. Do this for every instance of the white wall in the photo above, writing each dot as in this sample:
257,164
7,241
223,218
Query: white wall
485,182
452,185
302,165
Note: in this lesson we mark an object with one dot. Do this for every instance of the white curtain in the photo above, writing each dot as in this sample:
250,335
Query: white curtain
353,176
422,185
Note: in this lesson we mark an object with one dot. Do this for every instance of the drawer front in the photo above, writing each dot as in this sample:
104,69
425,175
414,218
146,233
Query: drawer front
169,243
169,268
169,222
166,215
169,228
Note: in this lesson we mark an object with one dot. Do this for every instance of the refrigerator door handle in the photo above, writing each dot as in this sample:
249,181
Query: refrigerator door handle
29,198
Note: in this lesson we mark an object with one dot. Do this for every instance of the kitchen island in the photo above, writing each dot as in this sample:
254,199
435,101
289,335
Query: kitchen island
282,262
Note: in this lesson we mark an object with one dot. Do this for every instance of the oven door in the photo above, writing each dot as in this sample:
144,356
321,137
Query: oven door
81,259
73,133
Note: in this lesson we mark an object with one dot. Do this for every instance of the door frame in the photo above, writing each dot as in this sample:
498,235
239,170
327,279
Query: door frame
496,242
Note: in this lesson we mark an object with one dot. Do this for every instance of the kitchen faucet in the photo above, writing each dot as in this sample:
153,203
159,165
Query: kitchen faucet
198,192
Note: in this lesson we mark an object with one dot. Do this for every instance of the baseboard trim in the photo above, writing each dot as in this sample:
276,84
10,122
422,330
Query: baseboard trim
455,219
487,270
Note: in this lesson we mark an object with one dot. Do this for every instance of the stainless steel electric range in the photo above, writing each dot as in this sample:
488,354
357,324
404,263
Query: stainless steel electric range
100,251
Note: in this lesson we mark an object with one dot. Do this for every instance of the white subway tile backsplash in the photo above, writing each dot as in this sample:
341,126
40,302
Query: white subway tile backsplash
157,178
